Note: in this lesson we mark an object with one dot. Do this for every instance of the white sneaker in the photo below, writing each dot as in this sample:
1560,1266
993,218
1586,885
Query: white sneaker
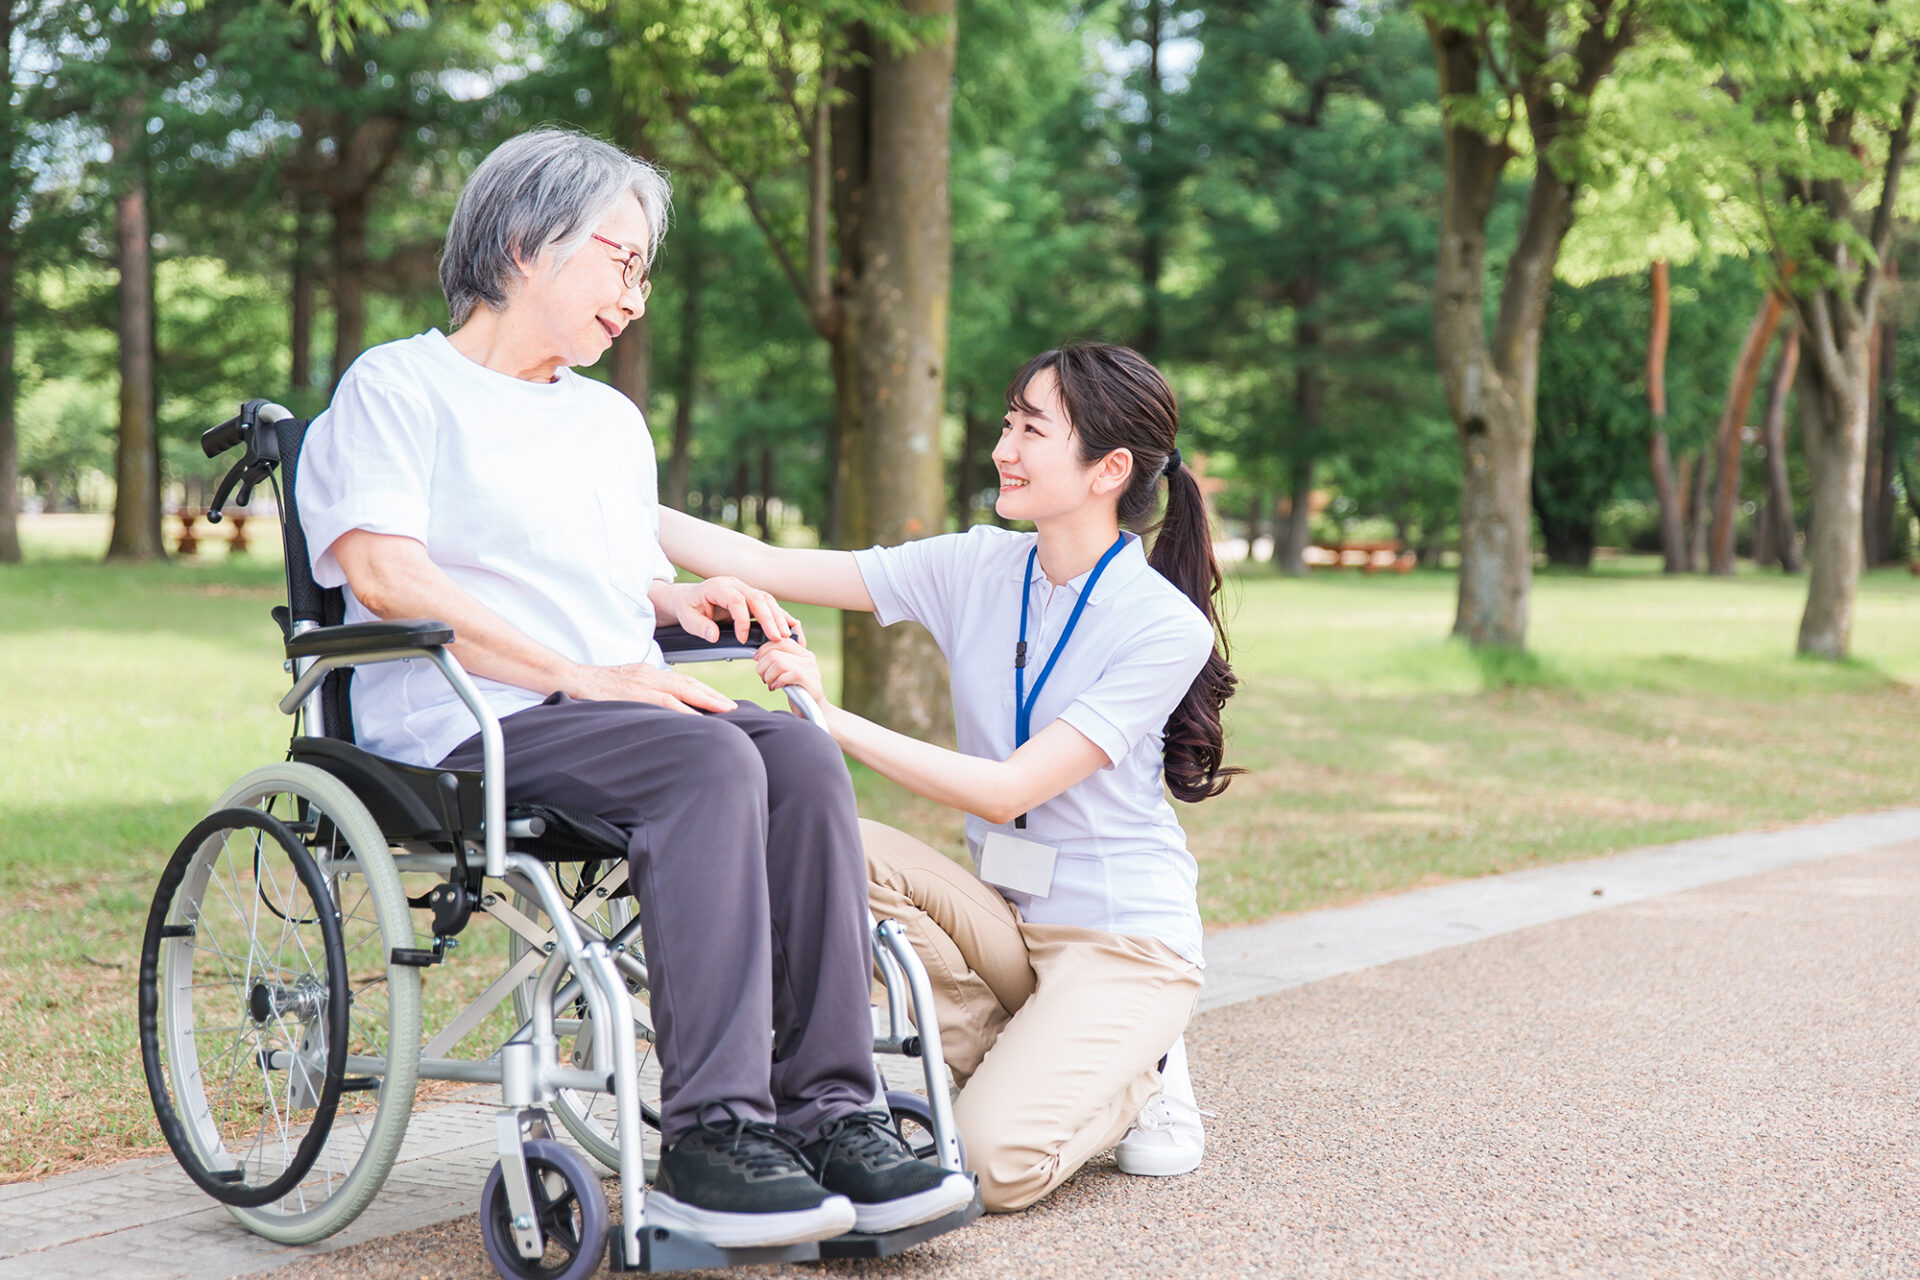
1167,1138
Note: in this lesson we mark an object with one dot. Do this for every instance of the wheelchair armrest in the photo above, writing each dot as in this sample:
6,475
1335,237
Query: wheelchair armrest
369,637
680,645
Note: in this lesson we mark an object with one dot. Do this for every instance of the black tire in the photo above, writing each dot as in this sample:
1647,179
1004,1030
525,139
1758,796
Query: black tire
569,1205
243,942
913,1120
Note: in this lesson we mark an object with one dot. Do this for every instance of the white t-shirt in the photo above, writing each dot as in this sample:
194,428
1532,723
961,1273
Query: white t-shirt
1123,865
538,499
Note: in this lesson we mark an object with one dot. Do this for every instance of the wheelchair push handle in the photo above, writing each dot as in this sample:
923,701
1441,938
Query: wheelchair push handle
253,427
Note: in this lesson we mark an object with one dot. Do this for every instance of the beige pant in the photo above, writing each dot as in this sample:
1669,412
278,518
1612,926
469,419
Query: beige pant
1054,1032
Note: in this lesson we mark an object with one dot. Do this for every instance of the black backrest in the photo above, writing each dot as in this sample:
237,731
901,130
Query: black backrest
307,600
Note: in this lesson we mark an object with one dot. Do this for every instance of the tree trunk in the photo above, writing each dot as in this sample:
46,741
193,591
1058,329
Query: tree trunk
690,247
1765,552
1701,515
1673,547
763,505
1256,512
966,471
1290,546
1882,441
136,500
304,282
9,270
1783,537
632,371
1733,420
895,483
1491,385
351,214
1154,196
1833,429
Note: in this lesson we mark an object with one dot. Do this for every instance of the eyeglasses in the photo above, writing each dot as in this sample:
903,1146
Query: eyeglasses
633,273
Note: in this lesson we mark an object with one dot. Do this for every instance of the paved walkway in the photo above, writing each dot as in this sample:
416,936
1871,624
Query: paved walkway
1716,1076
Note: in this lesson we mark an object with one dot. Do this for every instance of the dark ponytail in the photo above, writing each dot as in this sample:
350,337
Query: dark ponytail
1116,400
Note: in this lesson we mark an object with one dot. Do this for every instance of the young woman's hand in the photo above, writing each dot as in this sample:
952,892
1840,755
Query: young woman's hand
786,663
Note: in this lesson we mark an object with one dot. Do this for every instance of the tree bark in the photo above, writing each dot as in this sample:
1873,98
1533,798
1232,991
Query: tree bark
351,214
1840,322
1733,419
895,483
1290,545
690,247
1154,196
136,500
1783,537
632,370
966,471
1833,428
301,302
1702,512
1673,548
9,270
1256,512
1882,442
1490,385
763,503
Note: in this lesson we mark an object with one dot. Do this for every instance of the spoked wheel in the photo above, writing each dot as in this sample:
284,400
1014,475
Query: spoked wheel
243,947
589,1115
569,1207
200,1006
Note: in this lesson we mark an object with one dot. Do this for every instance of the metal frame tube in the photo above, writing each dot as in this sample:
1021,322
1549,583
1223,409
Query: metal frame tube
946,1137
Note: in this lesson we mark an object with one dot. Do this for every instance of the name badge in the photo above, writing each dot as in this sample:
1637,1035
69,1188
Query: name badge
1018,863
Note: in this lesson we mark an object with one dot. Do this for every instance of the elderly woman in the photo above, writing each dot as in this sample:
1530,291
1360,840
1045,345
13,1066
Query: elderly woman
474,477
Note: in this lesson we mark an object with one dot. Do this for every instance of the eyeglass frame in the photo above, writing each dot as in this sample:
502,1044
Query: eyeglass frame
629,266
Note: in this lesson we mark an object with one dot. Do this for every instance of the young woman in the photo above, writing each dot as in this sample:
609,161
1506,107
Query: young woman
1087,679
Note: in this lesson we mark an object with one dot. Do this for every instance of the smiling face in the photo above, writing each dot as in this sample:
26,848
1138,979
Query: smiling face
575,313
1038,457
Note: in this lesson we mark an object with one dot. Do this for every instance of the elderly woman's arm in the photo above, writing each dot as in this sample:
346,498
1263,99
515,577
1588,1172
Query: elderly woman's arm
803,575
393,577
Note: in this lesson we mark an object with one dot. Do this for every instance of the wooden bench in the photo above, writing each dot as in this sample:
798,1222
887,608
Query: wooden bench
189,541
1388,556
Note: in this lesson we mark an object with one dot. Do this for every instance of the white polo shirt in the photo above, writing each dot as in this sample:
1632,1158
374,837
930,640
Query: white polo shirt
1123,865
538,499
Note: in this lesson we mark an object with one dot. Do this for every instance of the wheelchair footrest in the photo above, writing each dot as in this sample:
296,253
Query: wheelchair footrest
664,1250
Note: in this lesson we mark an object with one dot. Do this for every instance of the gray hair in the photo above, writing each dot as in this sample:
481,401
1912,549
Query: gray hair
545,189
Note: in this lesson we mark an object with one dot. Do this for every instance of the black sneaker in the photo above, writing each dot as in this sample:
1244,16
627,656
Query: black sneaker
862,1158
743,1183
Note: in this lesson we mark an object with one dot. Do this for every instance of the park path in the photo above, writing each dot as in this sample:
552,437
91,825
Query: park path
1692,1060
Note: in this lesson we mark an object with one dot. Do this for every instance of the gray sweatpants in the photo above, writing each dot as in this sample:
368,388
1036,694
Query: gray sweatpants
745,854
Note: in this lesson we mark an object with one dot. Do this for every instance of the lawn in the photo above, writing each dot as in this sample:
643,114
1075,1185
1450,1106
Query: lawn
1379,756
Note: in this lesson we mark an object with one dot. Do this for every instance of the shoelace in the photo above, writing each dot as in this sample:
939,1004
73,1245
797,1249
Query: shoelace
1159,1114
864,1136
759,1147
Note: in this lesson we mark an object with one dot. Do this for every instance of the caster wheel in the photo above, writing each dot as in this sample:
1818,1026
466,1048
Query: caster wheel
568,1204
913,1119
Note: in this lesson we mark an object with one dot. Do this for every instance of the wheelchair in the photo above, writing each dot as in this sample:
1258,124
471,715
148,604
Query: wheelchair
282,969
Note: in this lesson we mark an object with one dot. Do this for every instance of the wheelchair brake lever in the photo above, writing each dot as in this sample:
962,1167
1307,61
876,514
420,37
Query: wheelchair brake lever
226,487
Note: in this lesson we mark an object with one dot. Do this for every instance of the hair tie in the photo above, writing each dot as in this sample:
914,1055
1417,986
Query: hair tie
1172,463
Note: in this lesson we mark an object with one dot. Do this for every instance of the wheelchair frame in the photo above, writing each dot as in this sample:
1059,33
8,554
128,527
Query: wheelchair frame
527,1067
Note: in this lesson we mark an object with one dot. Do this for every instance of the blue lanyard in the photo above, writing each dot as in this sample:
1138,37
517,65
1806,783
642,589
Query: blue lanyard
1022,704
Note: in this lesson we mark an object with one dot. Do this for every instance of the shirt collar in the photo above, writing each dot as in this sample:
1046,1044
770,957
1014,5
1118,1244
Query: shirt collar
1125,568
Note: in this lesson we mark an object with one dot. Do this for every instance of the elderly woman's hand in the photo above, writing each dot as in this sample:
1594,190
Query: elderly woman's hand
784,663
697,605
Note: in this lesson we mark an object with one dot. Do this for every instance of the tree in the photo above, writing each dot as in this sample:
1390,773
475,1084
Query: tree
1544,60
1317,189
861,93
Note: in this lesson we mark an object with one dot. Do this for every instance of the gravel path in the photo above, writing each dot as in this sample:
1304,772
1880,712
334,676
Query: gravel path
1721,1082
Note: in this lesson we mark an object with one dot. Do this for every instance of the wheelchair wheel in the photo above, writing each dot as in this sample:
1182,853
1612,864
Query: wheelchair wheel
913,1120
382,1039
589,1115
243,948
569,1206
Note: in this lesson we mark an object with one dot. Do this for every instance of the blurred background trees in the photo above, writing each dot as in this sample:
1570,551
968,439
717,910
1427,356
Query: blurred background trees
882,209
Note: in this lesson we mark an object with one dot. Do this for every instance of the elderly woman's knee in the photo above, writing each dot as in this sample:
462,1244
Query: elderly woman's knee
713,751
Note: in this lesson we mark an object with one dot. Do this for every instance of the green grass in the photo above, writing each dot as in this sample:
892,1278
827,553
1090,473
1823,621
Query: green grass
1380,756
